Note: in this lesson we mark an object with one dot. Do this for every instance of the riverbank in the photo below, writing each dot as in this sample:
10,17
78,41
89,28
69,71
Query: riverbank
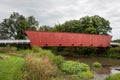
54,67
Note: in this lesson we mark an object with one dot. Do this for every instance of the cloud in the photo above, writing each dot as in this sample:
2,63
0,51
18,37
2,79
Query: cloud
50,12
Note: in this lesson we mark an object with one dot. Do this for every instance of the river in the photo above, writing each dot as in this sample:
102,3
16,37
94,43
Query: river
109,66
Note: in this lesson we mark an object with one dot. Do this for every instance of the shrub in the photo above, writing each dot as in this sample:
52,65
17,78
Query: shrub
84,67
72,67
58,60
97,65
39,68
85,75
113,77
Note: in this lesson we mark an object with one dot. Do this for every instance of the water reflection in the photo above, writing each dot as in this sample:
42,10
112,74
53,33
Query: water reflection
115,70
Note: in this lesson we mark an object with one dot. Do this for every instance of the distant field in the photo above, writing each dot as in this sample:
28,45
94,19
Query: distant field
10,67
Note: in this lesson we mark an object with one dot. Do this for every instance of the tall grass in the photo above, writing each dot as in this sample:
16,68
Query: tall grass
7,49
40,68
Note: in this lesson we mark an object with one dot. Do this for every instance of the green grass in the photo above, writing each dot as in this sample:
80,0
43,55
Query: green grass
10,68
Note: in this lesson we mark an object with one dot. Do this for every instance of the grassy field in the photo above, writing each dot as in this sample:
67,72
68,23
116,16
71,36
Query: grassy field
10,67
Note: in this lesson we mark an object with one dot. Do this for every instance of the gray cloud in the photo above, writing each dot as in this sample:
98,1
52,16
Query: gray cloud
50,12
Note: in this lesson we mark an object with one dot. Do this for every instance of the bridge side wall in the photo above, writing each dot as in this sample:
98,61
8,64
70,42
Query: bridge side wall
42,39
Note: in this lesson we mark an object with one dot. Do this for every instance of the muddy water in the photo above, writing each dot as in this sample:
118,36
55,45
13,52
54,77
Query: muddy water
110,66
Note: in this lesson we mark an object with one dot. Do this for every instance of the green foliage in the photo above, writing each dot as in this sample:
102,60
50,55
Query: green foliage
113,77
14,26
113,52
58,60
72,67
85,75
91,30
97,65
88,24
36,49
84,67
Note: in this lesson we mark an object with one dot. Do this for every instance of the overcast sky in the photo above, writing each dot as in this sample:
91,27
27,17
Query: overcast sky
51,12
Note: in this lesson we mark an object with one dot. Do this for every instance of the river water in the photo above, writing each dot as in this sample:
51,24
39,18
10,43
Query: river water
109,66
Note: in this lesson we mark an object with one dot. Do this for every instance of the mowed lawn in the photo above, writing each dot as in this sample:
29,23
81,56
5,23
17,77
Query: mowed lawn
10,67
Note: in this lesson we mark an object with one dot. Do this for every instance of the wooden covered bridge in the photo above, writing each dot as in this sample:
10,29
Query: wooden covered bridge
43,39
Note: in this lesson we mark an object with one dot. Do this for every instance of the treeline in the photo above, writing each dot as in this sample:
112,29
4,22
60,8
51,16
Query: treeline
88,24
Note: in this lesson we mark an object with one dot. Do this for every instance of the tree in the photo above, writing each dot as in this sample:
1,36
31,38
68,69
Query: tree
101,25
88,24
14,26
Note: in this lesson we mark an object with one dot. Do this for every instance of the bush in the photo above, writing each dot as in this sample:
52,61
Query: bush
84,67
58,60
72,67
113,77
97,65
85,75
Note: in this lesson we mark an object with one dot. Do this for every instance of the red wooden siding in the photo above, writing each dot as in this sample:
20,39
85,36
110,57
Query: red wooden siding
42,39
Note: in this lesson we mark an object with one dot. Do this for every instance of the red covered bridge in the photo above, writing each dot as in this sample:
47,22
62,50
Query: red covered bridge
43,39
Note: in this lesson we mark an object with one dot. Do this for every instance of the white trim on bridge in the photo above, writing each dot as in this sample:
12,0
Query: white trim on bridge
28,42
115,44
14,41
